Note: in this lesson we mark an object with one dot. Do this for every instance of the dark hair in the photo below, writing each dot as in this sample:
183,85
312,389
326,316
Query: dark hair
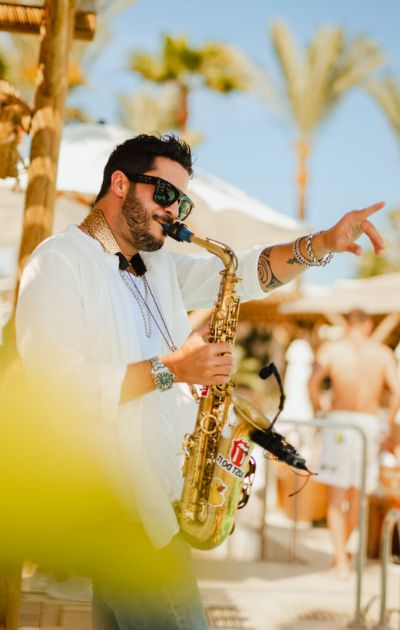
137,155
357,316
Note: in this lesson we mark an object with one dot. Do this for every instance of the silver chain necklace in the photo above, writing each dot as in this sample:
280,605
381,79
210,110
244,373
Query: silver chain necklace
142,301
134,289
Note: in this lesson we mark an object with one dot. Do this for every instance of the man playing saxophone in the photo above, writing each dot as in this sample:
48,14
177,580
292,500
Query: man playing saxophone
102,310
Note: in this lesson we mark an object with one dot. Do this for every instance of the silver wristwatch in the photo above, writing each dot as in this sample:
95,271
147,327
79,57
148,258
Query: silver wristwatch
162,376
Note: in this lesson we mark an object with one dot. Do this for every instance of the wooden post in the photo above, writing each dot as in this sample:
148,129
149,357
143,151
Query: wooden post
9,599
47,124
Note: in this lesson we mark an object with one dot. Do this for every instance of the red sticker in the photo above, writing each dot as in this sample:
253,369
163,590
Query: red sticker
204,391
239,451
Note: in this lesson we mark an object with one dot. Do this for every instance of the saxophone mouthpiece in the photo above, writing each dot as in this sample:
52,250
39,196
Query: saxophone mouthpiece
178,231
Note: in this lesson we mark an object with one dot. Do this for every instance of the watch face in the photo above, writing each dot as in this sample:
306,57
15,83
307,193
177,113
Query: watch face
164,379
162,376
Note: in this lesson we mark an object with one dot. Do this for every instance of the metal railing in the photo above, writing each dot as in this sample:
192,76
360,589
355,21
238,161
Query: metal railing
391,519
358,621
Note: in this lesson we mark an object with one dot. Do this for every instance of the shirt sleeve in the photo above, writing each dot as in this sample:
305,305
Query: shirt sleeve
199,278
52,340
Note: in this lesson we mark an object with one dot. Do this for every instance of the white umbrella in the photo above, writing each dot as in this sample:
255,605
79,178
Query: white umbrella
222,211
376,295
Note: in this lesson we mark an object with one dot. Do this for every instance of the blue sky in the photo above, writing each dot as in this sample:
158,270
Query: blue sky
356,157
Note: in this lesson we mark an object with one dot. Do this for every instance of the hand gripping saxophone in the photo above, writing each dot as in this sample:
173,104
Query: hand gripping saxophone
218,468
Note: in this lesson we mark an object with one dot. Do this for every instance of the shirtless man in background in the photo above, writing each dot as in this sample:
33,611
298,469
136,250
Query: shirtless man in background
360,370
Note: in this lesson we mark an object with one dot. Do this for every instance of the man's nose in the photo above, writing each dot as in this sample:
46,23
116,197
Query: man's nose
173,210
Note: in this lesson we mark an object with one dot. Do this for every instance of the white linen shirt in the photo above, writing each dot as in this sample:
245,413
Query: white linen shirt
74,323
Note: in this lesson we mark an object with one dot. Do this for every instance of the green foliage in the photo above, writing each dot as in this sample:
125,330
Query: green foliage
214,65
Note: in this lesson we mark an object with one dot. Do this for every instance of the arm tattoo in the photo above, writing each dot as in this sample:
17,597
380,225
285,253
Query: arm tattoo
267,278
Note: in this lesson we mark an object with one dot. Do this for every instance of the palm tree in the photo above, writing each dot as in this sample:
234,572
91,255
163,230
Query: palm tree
216,66
317,80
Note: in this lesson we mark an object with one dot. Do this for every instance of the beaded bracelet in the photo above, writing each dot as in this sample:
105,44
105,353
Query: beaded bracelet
315,261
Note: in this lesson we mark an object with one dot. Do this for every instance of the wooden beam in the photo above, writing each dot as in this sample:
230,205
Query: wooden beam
17,18
47,124
386,327
336,319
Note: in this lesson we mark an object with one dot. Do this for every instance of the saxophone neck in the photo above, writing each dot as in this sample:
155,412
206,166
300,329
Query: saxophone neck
179,232
225,253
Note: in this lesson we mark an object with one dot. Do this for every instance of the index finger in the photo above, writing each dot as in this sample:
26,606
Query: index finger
366,212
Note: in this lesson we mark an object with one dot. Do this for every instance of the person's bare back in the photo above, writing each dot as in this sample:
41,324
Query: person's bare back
359,369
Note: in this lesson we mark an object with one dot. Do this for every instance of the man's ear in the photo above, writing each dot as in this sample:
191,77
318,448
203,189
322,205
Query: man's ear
119,184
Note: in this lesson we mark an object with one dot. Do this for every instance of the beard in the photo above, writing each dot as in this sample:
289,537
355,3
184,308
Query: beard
138,220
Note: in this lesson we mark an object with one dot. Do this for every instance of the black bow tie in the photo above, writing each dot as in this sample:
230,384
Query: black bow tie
136,262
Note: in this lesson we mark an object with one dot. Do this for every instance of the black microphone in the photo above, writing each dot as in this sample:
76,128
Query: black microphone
266,371
277,445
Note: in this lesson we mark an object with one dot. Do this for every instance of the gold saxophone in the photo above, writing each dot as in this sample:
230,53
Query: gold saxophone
218,467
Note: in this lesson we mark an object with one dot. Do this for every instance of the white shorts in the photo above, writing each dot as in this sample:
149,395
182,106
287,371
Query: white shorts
341,451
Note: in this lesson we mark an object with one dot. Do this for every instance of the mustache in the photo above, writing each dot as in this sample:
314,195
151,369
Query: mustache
164,218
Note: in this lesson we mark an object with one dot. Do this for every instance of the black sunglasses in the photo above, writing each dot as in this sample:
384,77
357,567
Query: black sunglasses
165,193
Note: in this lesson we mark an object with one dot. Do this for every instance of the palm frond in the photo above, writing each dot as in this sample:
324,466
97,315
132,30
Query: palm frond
176,61
292,65
321,59
150,67
145,112
386,92
224,69
331,66
359,59
179,57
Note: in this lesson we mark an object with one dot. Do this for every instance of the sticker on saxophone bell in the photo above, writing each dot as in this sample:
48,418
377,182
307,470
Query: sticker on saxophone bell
216,498
237,457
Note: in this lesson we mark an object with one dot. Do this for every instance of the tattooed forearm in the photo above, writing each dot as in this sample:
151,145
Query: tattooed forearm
267,278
